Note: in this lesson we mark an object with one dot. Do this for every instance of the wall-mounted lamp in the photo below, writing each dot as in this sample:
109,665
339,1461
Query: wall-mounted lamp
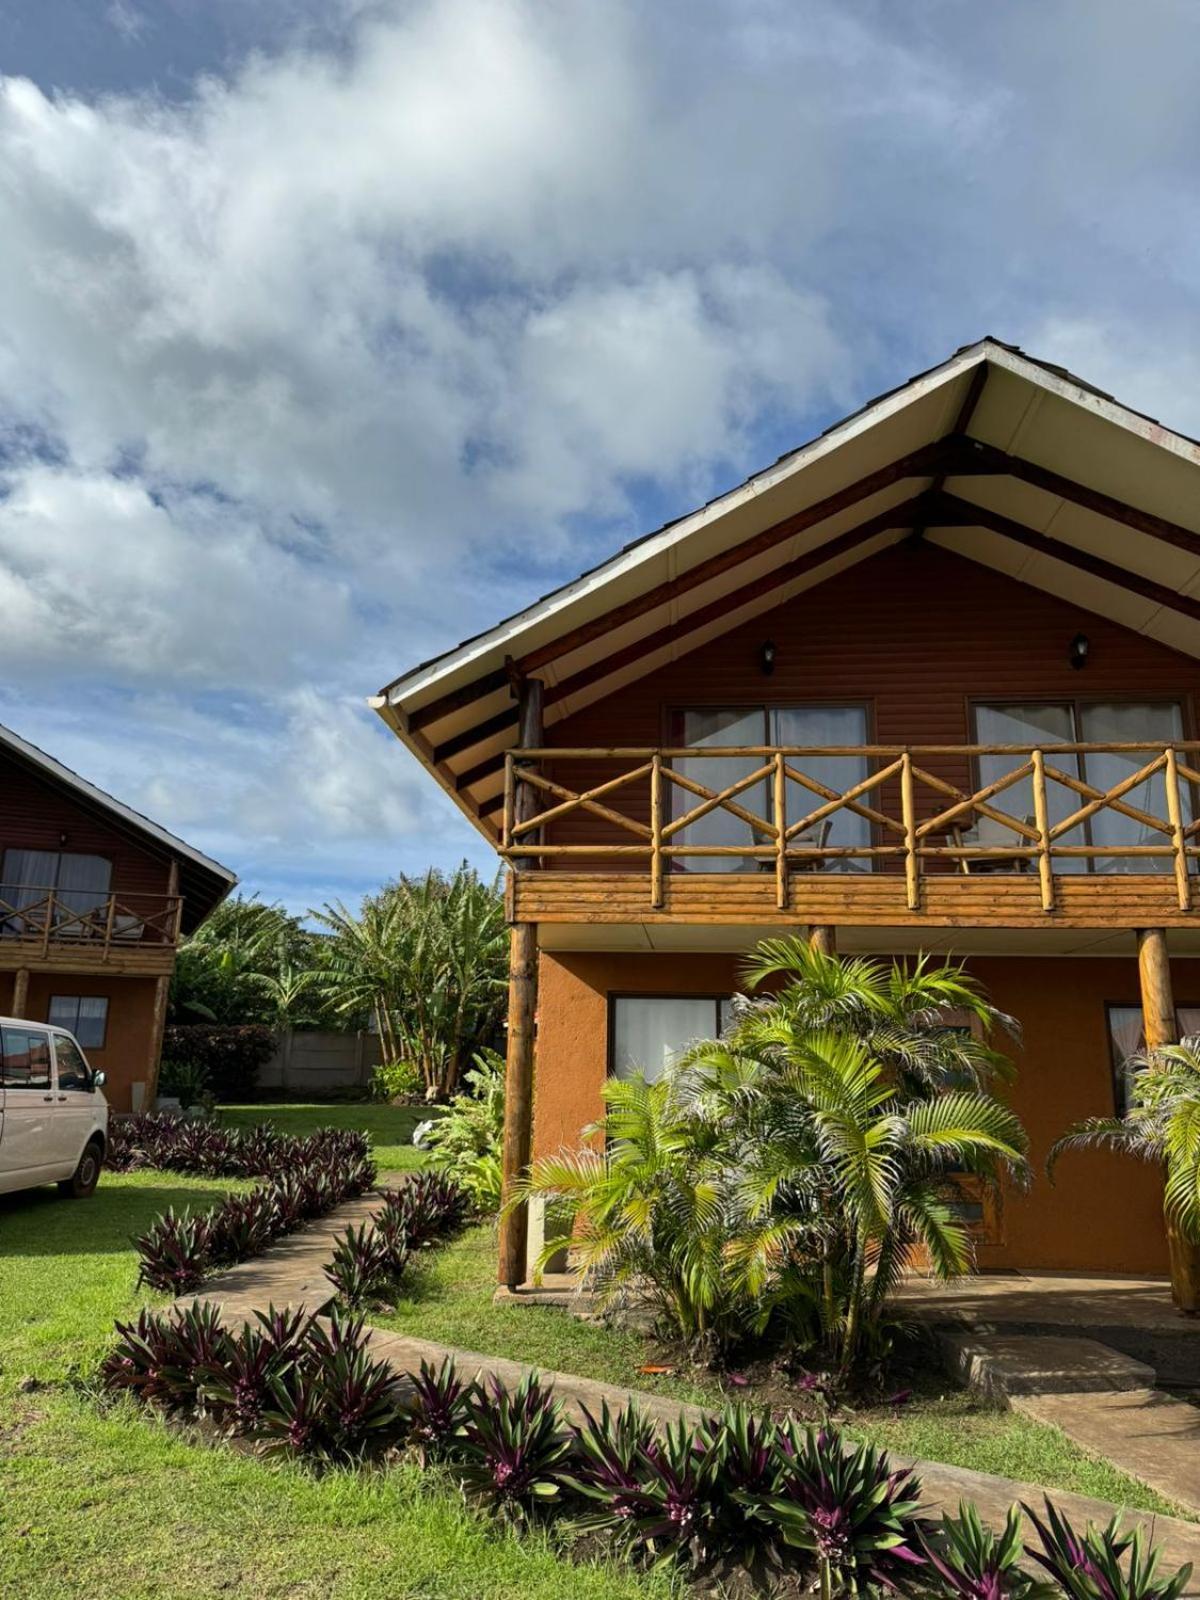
766,657
62,838
1078,653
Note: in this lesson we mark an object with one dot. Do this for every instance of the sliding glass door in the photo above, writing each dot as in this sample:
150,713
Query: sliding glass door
1084,722
826,725
727,727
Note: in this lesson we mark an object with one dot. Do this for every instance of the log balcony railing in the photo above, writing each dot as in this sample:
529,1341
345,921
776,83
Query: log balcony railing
44,923
927,846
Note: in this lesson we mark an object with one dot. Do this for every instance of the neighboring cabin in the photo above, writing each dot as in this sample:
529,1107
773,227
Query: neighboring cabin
954,643
93,900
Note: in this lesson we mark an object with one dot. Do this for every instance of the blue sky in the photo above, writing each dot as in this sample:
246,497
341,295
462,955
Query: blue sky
330,332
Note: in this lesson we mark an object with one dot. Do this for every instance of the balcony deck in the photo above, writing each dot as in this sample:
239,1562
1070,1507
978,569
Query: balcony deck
615,849
75,931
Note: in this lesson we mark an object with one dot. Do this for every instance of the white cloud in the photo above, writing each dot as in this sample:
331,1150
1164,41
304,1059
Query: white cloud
313,370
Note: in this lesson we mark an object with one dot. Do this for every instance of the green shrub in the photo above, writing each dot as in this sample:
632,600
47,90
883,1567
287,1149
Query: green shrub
396,1080
186,1081
465,1144
230,1057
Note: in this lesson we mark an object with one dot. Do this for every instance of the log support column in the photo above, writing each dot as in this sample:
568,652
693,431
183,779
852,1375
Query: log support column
518,1098
822,936
20,994
1158,1020
522,1021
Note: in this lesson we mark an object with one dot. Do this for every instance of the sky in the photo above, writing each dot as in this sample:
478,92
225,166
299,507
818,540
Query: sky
331,331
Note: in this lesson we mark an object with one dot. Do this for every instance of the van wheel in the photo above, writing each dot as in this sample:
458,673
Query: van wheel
86,1176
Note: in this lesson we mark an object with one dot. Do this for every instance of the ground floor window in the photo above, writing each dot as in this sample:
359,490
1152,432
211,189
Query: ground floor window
647,1032
1127,1039
84,1015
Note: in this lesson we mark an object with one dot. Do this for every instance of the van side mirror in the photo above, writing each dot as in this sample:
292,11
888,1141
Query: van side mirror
99,1079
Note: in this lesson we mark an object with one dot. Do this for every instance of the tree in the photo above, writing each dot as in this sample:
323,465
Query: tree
780,1178
224,971
428,959
1161,1124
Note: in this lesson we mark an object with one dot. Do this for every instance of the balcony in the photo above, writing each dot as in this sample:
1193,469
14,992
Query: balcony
80,930
945,835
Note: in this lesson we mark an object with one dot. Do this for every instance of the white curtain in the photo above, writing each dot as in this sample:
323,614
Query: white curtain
83,882
1129,724
720,728
827,725
28,874
650,1031
1036,727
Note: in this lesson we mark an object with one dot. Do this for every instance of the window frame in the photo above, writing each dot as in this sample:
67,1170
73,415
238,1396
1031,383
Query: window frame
61,1035
74,1030
671,733
41,1031
718,998
1115,1075
1075,703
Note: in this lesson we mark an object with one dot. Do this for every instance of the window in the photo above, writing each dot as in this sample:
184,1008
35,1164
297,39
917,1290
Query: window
1127,1038
728,727
25,1063
84,1015
649,1031
1084,722
73,1070
81,882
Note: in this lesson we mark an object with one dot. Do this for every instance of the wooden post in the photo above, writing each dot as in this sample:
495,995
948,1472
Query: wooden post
1158,1022
780,807
20,995
158,1022
822,937
656,827
1183,883
908,814
522,1021
518,1096
1041,817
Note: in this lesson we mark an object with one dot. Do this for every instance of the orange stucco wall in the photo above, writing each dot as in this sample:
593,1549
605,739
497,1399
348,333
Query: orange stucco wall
125,1055
1103,1212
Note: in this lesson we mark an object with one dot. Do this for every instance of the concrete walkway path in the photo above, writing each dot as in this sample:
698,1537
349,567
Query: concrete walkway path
291,1274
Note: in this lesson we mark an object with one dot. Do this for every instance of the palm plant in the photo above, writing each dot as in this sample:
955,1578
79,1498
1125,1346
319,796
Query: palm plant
1161,1124
779,1179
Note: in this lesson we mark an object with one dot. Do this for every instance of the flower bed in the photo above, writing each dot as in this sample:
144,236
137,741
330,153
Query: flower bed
308,1178
733,1490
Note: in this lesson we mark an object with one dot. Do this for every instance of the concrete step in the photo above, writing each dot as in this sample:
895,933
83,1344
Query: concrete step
1000,1364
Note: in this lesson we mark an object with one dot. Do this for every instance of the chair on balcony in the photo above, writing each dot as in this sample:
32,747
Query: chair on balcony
986,832
814,838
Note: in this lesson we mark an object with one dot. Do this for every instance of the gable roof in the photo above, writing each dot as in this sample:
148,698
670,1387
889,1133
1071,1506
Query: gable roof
203,881
1002,458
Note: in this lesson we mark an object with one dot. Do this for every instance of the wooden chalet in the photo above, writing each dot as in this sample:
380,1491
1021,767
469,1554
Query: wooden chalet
94,899
927,683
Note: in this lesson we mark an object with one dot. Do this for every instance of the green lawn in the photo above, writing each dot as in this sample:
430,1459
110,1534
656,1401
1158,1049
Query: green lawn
390,1127
450,1300
108,1504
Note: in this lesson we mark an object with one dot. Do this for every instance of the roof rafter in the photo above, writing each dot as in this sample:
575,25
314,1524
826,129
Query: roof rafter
924,462
949,511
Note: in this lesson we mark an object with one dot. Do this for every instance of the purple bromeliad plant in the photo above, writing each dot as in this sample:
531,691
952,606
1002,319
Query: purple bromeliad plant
1092,1565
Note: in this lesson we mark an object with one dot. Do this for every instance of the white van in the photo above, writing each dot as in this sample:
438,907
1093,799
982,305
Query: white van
53,1117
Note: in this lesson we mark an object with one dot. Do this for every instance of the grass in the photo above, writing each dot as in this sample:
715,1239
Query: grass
450,1301
106,1503
390,1127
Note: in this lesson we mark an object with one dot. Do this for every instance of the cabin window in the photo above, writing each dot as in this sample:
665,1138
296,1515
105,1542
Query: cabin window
80,882
647,1032
1046,723
1127,1039
84,1015
728,727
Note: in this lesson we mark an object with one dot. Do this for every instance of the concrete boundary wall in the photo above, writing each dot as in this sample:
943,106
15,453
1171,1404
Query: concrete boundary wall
309,1059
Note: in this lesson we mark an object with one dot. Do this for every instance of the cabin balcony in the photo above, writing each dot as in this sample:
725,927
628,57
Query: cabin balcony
84,931
918,837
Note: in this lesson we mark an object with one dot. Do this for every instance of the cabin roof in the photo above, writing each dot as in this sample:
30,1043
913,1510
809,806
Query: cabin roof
1002,458
203,881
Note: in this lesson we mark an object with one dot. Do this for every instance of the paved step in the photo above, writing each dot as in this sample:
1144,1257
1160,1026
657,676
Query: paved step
1000,1364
